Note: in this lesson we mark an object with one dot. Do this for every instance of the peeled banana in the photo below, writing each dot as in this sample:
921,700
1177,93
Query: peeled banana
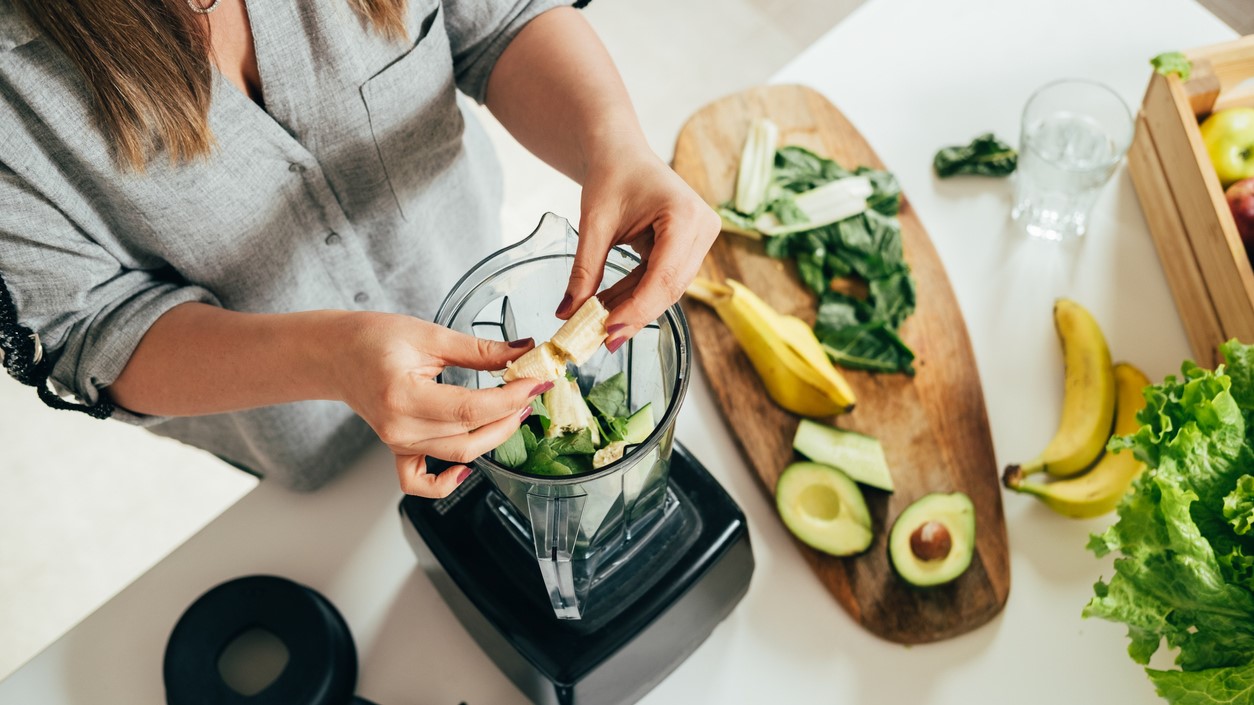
783,350
1088,396
576,341
1099,490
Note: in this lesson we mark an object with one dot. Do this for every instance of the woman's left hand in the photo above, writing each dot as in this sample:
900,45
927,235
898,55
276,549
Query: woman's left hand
634,199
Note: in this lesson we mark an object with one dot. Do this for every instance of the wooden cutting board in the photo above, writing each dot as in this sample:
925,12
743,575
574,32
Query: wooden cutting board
933,425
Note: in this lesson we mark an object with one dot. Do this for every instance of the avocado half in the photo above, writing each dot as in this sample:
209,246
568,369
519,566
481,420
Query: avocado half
933,539
824,508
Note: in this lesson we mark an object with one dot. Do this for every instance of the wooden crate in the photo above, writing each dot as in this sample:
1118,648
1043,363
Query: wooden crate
1193,229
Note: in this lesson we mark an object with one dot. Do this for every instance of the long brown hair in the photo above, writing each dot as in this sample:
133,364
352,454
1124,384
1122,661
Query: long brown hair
147,67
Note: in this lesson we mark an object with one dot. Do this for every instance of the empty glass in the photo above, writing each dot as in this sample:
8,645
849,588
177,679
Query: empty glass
1074,134
581,526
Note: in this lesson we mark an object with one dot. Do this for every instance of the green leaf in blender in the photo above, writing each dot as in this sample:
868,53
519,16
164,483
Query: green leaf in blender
984,156
609,397
513,452
577,443
540,414
1171,62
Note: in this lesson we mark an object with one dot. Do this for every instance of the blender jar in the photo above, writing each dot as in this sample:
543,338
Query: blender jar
580,526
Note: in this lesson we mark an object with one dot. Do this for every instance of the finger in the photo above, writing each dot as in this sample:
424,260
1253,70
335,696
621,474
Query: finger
642,244
670,269
415,480
469,409
595,239
465,447
621,289
461,350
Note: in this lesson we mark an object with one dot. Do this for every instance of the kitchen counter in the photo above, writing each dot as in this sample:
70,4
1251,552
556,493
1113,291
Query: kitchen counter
913,75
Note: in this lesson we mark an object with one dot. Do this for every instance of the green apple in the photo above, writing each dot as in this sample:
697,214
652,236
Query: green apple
1229,139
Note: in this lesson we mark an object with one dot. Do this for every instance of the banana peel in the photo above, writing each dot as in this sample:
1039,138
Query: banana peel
1099,490
787,357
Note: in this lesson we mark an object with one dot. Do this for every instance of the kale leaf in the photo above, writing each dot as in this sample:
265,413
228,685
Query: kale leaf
985,156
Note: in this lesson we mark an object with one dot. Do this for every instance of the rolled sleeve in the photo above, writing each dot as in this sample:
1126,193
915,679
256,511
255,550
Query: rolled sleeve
87,310
479,31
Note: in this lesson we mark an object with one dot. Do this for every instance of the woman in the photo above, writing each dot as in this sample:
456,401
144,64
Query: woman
231,221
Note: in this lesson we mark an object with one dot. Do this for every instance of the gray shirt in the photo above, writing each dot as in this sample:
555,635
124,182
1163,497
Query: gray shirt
363,184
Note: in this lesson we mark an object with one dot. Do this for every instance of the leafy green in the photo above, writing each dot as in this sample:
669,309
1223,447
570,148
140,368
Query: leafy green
610,396
1232,686
513,452
540,413
578,443
1171,62
867,346
984,156
1185,571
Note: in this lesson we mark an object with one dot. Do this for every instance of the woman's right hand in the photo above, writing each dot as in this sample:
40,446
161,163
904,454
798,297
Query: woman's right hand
387,375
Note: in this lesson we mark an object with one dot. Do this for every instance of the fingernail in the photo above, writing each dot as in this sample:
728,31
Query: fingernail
615,328
522,343
615,344
522,415
541,389
566,301
461,476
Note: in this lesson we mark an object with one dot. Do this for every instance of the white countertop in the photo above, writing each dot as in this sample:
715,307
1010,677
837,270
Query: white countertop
913,75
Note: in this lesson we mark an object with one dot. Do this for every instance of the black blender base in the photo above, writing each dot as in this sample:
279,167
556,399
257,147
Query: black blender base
617,653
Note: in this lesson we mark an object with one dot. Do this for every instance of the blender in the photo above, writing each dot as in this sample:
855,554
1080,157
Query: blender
587,588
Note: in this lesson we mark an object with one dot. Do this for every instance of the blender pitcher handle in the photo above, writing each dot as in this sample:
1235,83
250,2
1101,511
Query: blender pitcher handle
555,525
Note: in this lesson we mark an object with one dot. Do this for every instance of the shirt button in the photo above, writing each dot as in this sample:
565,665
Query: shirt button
361,297
333,238
295,168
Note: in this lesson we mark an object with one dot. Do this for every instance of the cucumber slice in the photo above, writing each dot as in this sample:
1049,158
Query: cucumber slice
859,456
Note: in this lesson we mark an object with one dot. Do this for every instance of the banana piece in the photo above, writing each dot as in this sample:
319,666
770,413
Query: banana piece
608,454
1099,490
580,336
576,341
544,362
568,412
793,378
1088,396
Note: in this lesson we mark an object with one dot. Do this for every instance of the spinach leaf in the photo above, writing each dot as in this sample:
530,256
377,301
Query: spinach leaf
540,413
798,169
543,460
985,156
613,428
841,311
867,346
786,210
893,299
513,452
575,464
578,443
610,397
886,196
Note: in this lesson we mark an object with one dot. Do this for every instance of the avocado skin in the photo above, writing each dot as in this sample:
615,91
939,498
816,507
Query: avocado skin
957,514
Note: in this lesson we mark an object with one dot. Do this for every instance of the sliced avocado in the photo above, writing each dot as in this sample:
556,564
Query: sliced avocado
933,539
639,425
824,508
859,456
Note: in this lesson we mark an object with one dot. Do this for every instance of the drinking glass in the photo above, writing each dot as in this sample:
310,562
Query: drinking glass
1074,134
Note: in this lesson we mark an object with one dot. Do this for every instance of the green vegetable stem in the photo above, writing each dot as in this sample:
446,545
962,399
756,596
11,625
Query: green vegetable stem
985,156
1173,62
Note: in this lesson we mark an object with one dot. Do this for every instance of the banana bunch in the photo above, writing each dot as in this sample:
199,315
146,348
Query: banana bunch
1096,395
789,359
576,341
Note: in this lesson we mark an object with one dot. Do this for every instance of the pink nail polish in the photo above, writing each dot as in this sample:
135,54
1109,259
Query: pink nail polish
615,344
522,415
461,476
541,389
566,301
522,343
615,328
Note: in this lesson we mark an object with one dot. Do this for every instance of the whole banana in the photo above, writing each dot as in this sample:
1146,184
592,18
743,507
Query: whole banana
1088,396
788,358
1099,490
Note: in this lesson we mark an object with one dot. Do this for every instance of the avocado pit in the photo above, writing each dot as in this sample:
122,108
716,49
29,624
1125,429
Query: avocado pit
931,541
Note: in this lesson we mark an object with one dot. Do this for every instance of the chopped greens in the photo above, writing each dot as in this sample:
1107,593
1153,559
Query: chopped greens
563,436
984,156
864,245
